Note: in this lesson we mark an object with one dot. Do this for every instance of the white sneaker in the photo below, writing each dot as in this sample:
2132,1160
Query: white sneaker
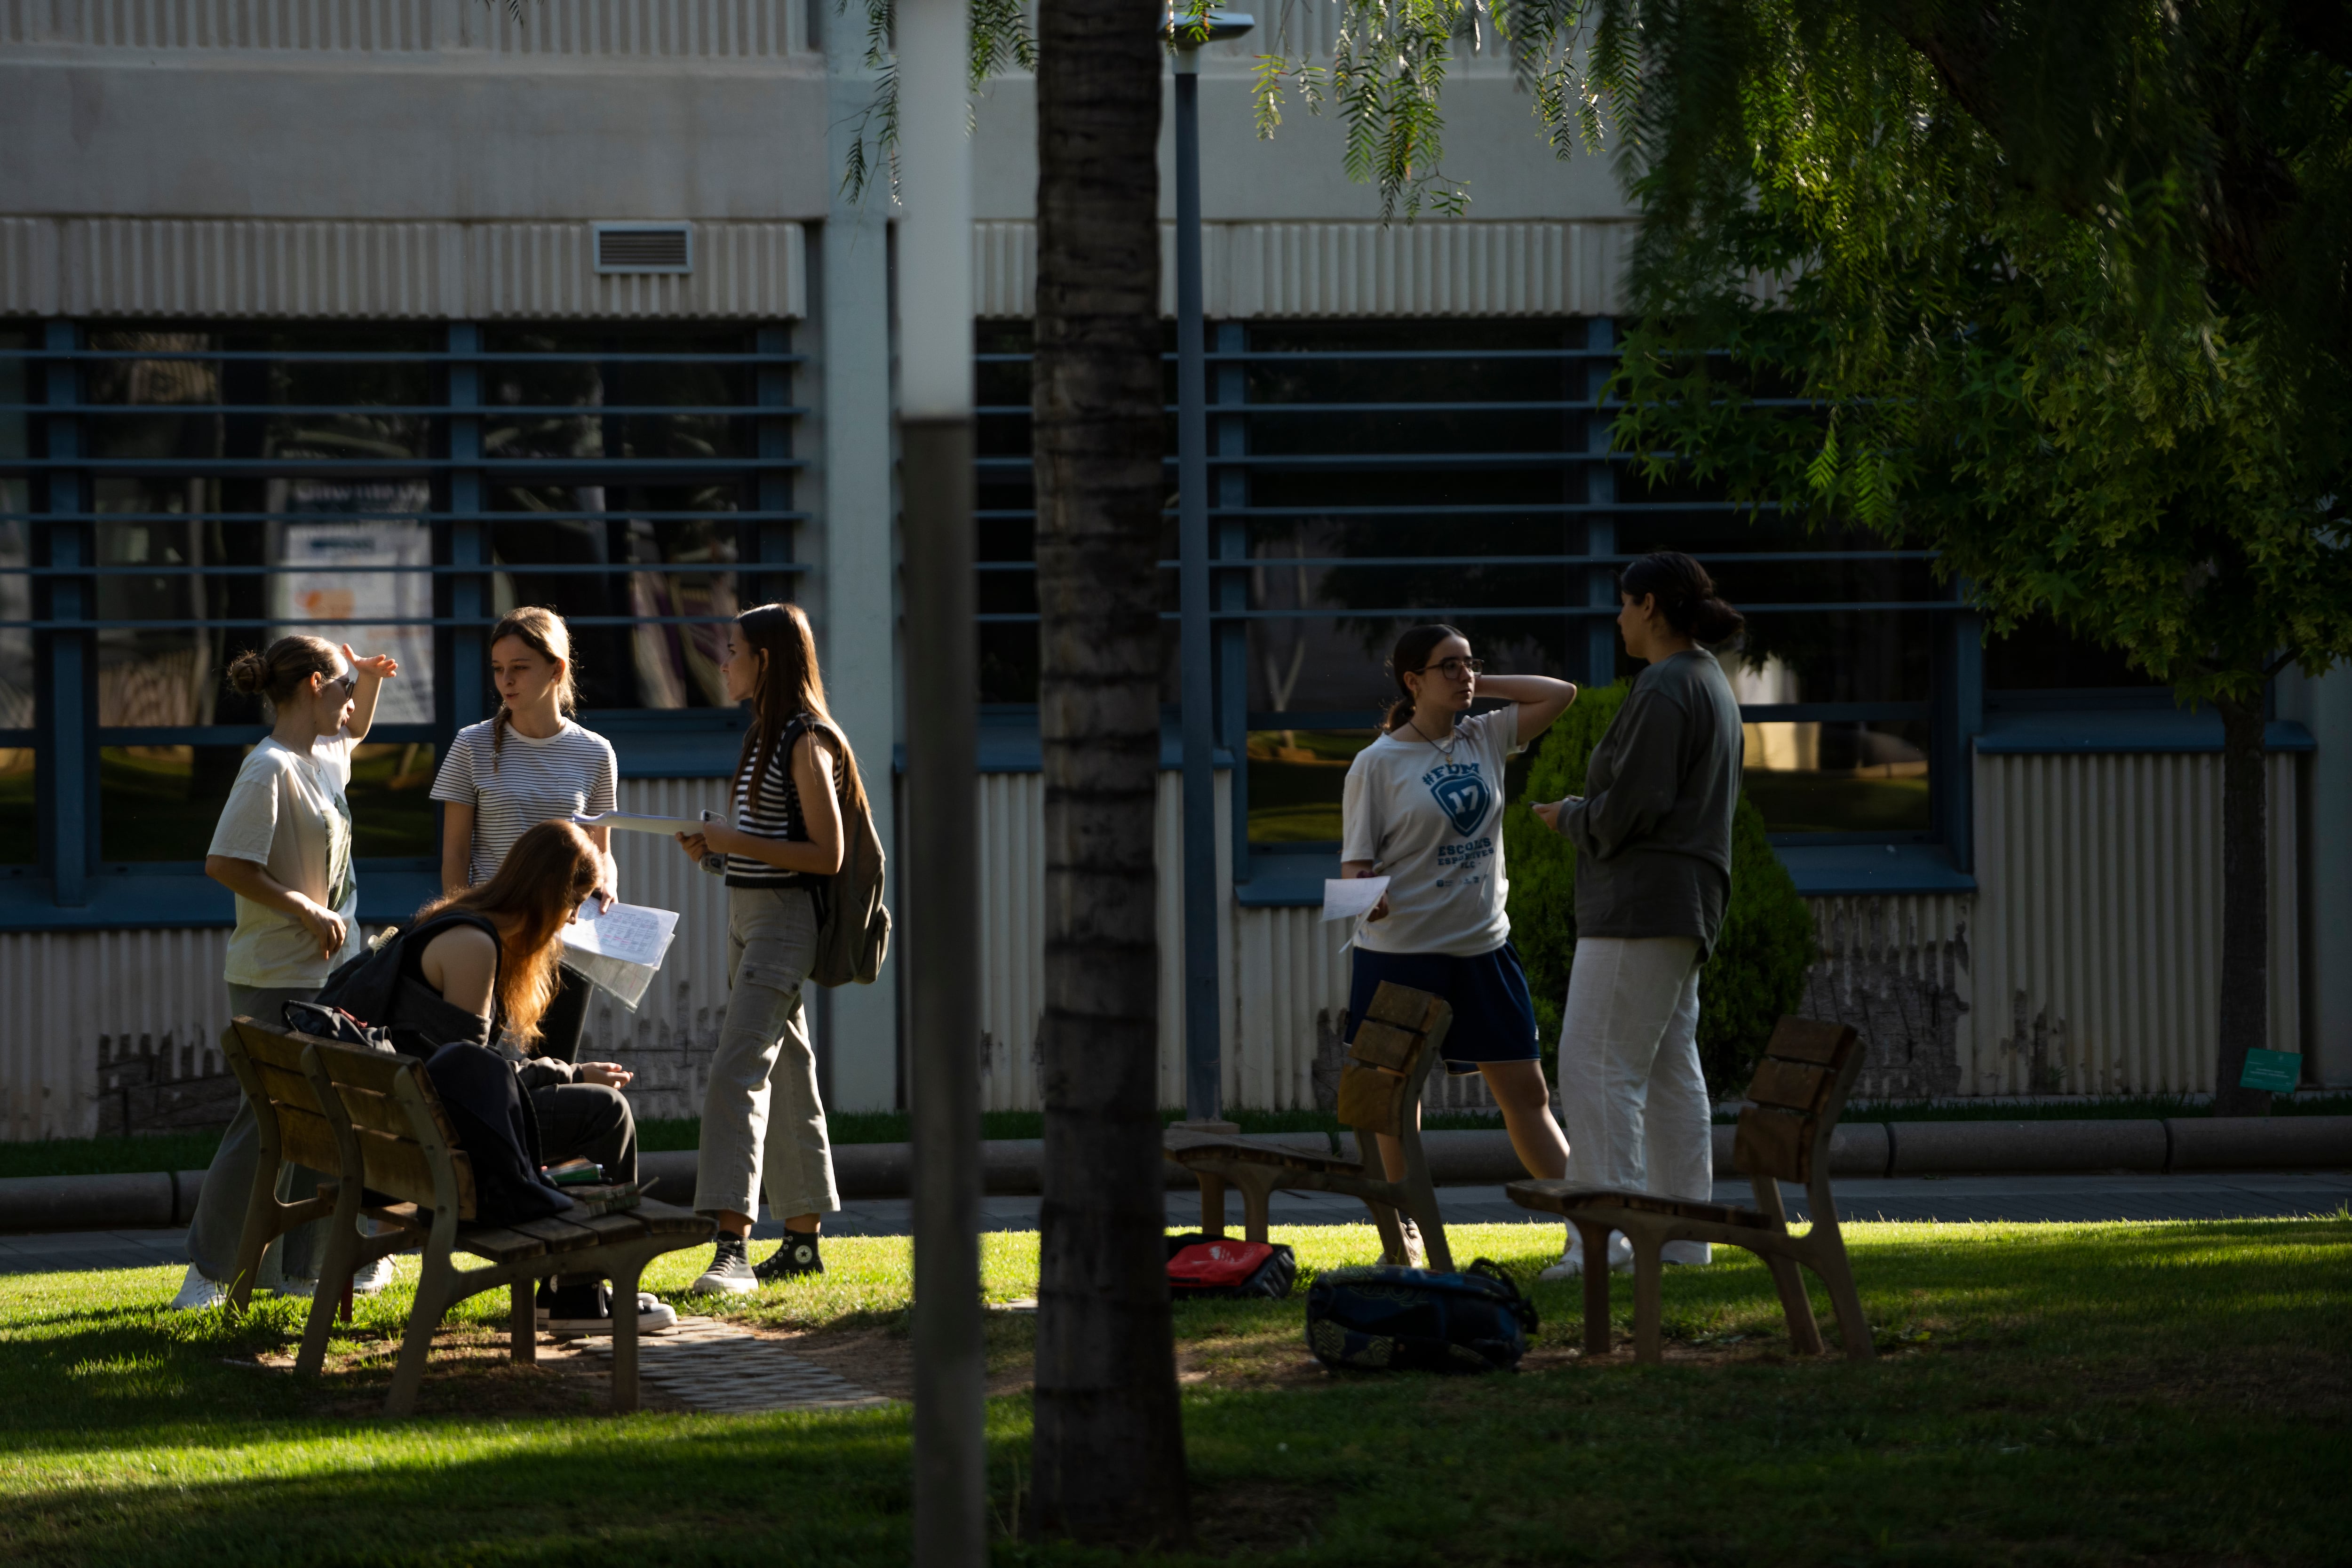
654,1316
1416,1254
1687,1252
198,1294
371,1278
1572,1262
730,1273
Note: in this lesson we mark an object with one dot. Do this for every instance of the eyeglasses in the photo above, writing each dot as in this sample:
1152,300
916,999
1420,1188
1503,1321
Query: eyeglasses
1454,668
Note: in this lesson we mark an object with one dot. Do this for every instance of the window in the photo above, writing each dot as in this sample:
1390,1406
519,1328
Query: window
177,493
1369,475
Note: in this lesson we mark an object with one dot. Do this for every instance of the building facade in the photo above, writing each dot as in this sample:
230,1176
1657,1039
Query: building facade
387,315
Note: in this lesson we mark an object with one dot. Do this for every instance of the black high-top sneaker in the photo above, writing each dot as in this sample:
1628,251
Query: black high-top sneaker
730,1273
796,1256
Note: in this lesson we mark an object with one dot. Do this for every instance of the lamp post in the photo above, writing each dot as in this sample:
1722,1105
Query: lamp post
1203,1097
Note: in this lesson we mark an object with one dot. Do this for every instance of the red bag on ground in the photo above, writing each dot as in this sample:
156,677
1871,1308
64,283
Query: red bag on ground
1198,1266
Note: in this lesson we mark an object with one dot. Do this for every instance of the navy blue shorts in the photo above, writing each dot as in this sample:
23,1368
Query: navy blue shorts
1493,1019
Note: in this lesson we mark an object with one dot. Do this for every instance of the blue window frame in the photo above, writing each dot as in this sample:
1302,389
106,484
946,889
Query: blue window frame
1372,474
173,494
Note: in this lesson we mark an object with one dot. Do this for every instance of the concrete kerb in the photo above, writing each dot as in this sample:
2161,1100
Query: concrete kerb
1013,1167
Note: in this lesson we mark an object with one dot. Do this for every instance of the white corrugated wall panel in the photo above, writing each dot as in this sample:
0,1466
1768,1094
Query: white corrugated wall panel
674,29
668,1041
741,270
231,269
1291,977
2099,946
348,25
1436,268
1012,937
28,267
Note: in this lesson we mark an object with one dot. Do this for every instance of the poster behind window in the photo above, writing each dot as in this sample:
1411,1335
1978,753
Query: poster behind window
329,532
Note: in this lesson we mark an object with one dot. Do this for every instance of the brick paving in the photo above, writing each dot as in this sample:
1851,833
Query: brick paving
705,1364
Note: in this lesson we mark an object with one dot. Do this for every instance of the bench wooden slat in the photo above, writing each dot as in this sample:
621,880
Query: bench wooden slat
1196,1147
1773,1144
376,1112
498,1244
307,1138
560,1235
1400,1004
1383,1045
375,1071
1567,1199
1811,1040
663,1219
620,1225
1795,1086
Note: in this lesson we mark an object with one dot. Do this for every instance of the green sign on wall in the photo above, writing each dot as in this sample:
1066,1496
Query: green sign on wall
2278,1071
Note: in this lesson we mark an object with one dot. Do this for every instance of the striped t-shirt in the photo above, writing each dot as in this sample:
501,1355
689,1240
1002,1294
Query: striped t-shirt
531,782
774,813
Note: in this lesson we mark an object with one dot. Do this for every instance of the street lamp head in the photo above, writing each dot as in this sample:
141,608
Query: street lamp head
1186,29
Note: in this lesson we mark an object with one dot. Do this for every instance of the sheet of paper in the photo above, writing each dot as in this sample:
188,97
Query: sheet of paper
630,822
1351,898
621,948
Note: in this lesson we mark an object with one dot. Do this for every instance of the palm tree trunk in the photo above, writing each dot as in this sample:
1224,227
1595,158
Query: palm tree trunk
2245,909
1109,1453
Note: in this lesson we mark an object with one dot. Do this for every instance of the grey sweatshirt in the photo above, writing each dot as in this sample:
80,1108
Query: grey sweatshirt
1653,832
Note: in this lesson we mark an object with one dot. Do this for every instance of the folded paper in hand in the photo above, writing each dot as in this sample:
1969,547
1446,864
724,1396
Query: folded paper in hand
1346,899
621,948
631,821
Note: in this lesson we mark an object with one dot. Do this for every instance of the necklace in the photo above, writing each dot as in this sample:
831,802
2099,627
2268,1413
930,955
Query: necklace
1446,752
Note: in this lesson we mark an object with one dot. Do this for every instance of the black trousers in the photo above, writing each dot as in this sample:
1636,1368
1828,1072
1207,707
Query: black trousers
586,1121
566,1016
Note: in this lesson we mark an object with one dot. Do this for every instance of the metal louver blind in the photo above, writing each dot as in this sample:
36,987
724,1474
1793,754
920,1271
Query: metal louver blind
644,247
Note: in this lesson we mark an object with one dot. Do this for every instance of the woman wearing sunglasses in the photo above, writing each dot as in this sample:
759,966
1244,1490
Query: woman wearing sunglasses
1423,807
283,847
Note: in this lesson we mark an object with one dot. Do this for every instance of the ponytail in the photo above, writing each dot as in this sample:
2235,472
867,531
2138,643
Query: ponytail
1686,596
1411,653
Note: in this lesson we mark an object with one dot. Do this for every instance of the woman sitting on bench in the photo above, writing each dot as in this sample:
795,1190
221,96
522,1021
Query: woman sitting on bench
459,983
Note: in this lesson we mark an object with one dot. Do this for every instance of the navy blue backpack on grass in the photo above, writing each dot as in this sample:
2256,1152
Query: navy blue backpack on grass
1409,1320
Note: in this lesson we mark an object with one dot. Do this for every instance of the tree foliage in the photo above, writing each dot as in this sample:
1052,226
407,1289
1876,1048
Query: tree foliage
1756,972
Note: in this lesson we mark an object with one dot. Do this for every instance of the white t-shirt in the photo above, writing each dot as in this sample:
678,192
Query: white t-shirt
287,813
1433,824
524,783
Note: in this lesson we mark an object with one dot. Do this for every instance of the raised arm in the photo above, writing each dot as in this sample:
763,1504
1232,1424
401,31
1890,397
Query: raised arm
367,685
1540,699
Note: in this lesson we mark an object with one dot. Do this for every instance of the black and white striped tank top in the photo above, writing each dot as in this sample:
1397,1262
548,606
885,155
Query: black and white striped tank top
773,812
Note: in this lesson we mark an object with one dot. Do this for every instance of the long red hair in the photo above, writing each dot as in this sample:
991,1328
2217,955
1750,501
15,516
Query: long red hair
550,870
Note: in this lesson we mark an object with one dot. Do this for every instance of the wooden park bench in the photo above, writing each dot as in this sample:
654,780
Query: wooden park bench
1379,1091
397,1159
1799,1092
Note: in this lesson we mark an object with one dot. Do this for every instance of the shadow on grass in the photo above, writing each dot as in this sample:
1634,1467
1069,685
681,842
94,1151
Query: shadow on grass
2051,1394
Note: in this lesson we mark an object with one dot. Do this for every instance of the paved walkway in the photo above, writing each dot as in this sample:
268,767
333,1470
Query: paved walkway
705,1364
1952,1199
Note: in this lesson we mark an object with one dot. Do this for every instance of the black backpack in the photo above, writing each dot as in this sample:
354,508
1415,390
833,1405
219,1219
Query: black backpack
1405,1320
379,996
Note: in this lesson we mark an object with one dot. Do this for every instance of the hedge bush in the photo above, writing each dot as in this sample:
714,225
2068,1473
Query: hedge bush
1756,972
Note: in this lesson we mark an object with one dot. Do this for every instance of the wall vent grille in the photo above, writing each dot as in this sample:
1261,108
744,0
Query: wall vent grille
644,246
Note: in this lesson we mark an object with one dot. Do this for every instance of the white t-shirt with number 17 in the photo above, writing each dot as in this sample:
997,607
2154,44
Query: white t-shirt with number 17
1431,820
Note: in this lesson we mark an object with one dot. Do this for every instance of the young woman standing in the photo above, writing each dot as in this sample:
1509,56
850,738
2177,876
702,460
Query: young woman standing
1423,807
762,1115
527,764
284,848
1653,837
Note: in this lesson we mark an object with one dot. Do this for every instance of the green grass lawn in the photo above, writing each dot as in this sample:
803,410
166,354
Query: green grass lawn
2117,1394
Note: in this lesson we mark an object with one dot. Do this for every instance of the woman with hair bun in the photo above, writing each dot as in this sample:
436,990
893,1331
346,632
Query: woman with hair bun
283,846
1653,837
528,763
1423,806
